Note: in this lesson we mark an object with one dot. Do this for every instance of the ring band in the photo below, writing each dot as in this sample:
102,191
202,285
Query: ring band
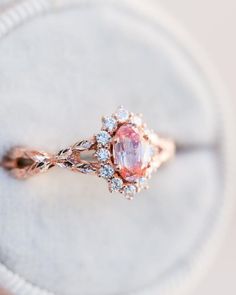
125,153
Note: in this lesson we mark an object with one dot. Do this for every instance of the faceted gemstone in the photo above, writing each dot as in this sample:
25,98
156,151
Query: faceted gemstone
132,153
122,115
103,154
106,171
137,120
116,184
103,137
109,123
130,190
142,181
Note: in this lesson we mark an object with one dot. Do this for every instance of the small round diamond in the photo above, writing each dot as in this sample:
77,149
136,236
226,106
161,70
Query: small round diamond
103,154
109,123
103,137
106,171
122,115
142,181
137,120
130,190
116,184
153,137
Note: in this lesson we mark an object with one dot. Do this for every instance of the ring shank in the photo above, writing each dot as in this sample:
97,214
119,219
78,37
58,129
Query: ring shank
23,163
166,151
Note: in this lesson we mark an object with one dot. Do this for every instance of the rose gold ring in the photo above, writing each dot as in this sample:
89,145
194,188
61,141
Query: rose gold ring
125,153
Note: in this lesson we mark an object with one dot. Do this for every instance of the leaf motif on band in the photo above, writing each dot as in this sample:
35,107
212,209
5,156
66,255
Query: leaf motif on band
83,145
64,154
86,168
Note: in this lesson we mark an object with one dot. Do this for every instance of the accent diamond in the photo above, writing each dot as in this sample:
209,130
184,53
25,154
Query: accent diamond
103,137
116,184
103,154
130,190
106,171
109,123
122,115
142,181
137,120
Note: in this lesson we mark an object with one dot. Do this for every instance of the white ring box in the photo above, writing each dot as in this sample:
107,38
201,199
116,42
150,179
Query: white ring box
62,233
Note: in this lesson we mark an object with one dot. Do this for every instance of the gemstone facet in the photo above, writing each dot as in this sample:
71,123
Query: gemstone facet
103,137
132,152
109,123
103,155
137,120
130,190
106,171
116,184
122,115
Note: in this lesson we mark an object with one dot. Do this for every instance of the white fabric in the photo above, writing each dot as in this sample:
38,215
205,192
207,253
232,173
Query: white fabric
63,231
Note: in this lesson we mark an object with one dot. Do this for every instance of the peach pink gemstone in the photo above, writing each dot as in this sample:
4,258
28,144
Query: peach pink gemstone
132,153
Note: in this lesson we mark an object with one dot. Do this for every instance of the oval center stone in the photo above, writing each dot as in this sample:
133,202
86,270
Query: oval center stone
131,152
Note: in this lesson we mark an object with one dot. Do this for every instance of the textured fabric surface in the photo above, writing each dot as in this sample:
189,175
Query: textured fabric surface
62,231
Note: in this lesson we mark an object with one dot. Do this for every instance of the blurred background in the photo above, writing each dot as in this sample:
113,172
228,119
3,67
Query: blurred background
212,24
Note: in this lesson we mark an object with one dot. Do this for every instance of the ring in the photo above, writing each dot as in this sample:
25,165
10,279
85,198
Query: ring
124,152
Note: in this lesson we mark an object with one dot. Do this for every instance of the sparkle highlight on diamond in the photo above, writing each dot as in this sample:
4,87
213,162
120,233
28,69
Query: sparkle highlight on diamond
116,184
109,123
106,171
130,190
122,114
103,137
103,154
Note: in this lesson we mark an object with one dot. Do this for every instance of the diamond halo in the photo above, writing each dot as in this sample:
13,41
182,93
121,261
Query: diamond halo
124,139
